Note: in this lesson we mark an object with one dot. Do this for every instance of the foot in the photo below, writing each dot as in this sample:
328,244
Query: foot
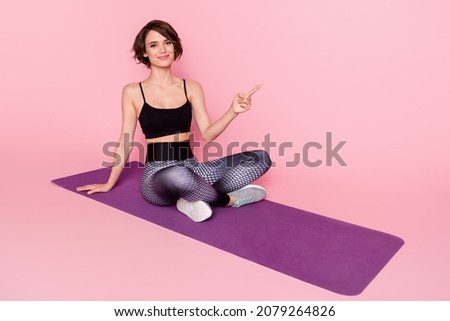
198,211
248,194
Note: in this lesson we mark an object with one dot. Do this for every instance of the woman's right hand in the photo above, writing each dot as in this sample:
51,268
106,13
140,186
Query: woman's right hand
95,188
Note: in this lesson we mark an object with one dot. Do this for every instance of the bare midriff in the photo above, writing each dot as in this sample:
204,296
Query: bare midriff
180,137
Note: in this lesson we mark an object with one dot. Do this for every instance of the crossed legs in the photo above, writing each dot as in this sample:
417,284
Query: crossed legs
210,182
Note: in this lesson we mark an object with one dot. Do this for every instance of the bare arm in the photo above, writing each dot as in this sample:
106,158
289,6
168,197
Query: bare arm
123,150
210,131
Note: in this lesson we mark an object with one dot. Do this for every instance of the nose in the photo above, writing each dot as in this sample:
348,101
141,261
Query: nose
163,48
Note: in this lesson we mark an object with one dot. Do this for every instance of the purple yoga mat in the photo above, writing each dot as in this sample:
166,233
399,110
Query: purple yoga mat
335,255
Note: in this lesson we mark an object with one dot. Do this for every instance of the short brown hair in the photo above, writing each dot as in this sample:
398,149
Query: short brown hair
164,29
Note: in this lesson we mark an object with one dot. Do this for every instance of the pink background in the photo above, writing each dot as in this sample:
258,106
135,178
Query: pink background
375,73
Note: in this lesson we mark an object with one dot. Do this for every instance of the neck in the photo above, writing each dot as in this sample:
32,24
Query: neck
161,76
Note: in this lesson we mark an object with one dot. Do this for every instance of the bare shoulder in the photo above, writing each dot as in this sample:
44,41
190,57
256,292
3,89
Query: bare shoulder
131,95
131,90
193,87
131,98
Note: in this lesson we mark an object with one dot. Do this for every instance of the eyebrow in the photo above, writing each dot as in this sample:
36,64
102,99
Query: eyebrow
155,42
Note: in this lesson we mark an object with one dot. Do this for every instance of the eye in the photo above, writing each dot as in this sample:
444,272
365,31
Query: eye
152,45
168,42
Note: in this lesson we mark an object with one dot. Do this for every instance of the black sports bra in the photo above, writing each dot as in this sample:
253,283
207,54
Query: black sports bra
156,122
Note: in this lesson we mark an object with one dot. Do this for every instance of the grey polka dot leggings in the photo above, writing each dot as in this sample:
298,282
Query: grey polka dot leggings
165,181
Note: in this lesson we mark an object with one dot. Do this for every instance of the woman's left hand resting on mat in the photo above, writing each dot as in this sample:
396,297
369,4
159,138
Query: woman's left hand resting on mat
95,188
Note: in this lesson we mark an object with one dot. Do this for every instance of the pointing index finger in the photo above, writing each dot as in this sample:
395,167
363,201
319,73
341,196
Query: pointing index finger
251,92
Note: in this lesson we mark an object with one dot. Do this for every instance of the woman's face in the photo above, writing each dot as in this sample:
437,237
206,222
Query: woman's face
159,49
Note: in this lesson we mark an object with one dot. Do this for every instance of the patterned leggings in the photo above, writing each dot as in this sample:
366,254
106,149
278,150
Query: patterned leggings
164,182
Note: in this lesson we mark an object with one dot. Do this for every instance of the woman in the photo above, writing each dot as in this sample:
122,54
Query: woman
164,104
